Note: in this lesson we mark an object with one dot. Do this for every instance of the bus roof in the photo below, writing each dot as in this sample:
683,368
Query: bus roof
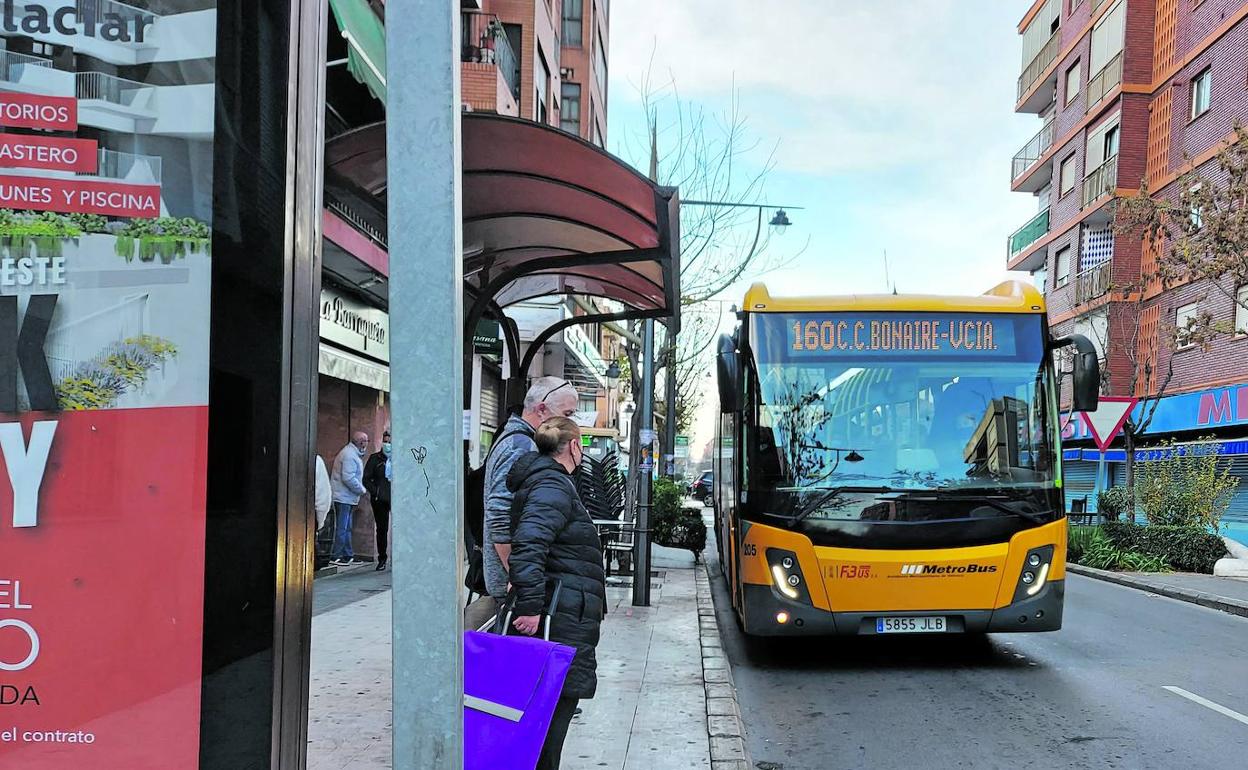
1007,297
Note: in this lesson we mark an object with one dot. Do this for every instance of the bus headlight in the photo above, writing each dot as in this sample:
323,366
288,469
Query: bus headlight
786,575
1035,572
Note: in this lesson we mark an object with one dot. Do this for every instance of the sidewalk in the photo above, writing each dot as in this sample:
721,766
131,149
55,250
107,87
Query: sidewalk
1227,594
650,712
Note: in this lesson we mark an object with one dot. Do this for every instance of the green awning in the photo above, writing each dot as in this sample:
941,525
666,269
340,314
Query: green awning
366,43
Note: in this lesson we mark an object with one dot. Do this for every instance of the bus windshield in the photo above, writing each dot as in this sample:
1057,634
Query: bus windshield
901,417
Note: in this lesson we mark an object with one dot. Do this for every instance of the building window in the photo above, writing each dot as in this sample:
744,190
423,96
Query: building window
1072,83
1196,214
1185,315
1066,180
1061,273
41,49
600,67
570,108
1241,310
1040,279
1201,85
543,90
1111,142
572,23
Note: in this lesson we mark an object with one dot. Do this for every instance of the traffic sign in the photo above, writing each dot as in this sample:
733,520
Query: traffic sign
1106,422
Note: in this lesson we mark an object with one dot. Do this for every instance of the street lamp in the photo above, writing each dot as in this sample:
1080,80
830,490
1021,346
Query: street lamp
779,222
612,374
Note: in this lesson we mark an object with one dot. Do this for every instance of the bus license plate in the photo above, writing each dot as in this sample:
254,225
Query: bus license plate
930,624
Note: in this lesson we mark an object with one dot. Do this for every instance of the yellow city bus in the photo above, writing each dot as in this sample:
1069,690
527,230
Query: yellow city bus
891,464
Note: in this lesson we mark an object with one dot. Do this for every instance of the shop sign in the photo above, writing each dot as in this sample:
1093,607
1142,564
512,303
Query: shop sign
486,340
1201,410
354,325
104,370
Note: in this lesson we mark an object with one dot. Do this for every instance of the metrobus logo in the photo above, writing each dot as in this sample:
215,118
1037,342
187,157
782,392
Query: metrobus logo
943,569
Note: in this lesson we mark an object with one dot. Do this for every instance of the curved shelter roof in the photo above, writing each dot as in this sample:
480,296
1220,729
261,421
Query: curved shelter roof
544,213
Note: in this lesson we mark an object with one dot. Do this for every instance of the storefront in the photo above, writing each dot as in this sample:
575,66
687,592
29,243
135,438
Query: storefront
353,389
1217,414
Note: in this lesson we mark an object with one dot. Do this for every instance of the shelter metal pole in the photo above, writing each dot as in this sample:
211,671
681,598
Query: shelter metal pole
427,337
645,413
669,388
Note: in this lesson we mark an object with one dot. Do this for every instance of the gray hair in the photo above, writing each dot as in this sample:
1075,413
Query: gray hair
540,389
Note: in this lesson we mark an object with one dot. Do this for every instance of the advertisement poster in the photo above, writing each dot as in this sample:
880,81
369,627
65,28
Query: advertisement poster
106,159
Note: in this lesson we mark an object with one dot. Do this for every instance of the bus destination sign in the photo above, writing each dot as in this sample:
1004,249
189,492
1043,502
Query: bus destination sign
871,334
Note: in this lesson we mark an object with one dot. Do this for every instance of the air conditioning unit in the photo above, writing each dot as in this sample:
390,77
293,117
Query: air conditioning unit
566,73
465,106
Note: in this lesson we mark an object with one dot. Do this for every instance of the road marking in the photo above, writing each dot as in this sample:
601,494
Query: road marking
1194,698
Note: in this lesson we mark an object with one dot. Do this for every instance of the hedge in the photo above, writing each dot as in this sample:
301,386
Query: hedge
1187,549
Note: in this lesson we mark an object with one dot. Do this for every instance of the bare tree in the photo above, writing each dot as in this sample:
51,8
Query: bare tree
1202,236
712,158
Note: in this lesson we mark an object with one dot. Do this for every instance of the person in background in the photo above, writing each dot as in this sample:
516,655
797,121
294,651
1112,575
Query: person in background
554,542
377,474
347,481
547,397
324,495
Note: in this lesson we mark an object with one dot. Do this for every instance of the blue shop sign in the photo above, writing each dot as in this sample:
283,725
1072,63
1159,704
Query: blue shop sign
1201,410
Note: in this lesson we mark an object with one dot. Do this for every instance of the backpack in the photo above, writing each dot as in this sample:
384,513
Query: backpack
474,521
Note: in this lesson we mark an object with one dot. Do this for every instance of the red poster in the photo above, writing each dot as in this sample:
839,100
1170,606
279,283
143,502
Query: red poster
105,296
79,196
52,153
51,113
100,657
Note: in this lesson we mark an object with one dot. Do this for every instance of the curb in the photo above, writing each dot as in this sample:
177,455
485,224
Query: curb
1212,601
724,727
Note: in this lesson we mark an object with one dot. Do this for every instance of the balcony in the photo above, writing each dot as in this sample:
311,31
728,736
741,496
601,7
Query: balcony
1102,181
1028,234
1103,82
1038,65
484,41
1025,158
1093,283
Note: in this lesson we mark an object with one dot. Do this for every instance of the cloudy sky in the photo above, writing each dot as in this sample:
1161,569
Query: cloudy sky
894,122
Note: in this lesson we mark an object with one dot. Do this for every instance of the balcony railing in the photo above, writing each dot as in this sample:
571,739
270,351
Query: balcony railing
109,88
13,64
128,166
102,7
1041,62
1103,82
1031,152
1093,283
1029,233
1103,180
357,221
484,41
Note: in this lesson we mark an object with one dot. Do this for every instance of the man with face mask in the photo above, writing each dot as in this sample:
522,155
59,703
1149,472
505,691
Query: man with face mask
347,482
377,474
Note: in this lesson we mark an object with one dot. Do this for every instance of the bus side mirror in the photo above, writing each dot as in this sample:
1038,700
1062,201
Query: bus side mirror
1087,385
728,369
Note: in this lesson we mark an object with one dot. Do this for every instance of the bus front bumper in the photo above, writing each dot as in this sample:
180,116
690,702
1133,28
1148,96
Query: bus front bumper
1042,612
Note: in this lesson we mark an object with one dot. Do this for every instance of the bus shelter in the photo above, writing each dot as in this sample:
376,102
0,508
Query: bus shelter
544,213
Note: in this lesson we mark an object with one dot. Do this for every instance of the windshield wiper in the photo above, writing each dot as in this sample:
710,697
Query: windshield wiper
990,501
814,505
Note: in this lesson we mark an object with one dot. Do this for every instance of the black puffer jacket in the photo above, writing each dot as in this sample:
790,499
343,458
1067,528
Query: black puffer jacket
554,540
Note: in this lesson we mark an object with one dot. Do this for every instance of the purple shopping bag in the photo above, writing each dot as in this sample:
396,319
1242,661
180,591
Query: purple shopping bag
511,684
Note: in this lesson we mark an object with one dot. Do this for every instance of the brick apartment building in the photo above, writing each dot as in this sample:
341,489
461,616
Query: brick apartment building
541,60
1128,91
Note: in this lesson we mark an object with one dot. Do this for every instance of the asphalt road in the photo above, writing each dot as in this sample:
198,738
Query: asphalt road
1089,696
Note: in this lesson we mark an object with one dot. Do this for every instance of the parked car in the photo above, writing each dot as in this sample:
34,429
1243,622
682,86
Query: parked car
701,490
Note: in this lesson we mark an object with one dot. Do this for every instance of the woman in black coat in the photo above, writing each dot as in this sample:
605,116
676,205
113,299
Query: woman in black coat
553,540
